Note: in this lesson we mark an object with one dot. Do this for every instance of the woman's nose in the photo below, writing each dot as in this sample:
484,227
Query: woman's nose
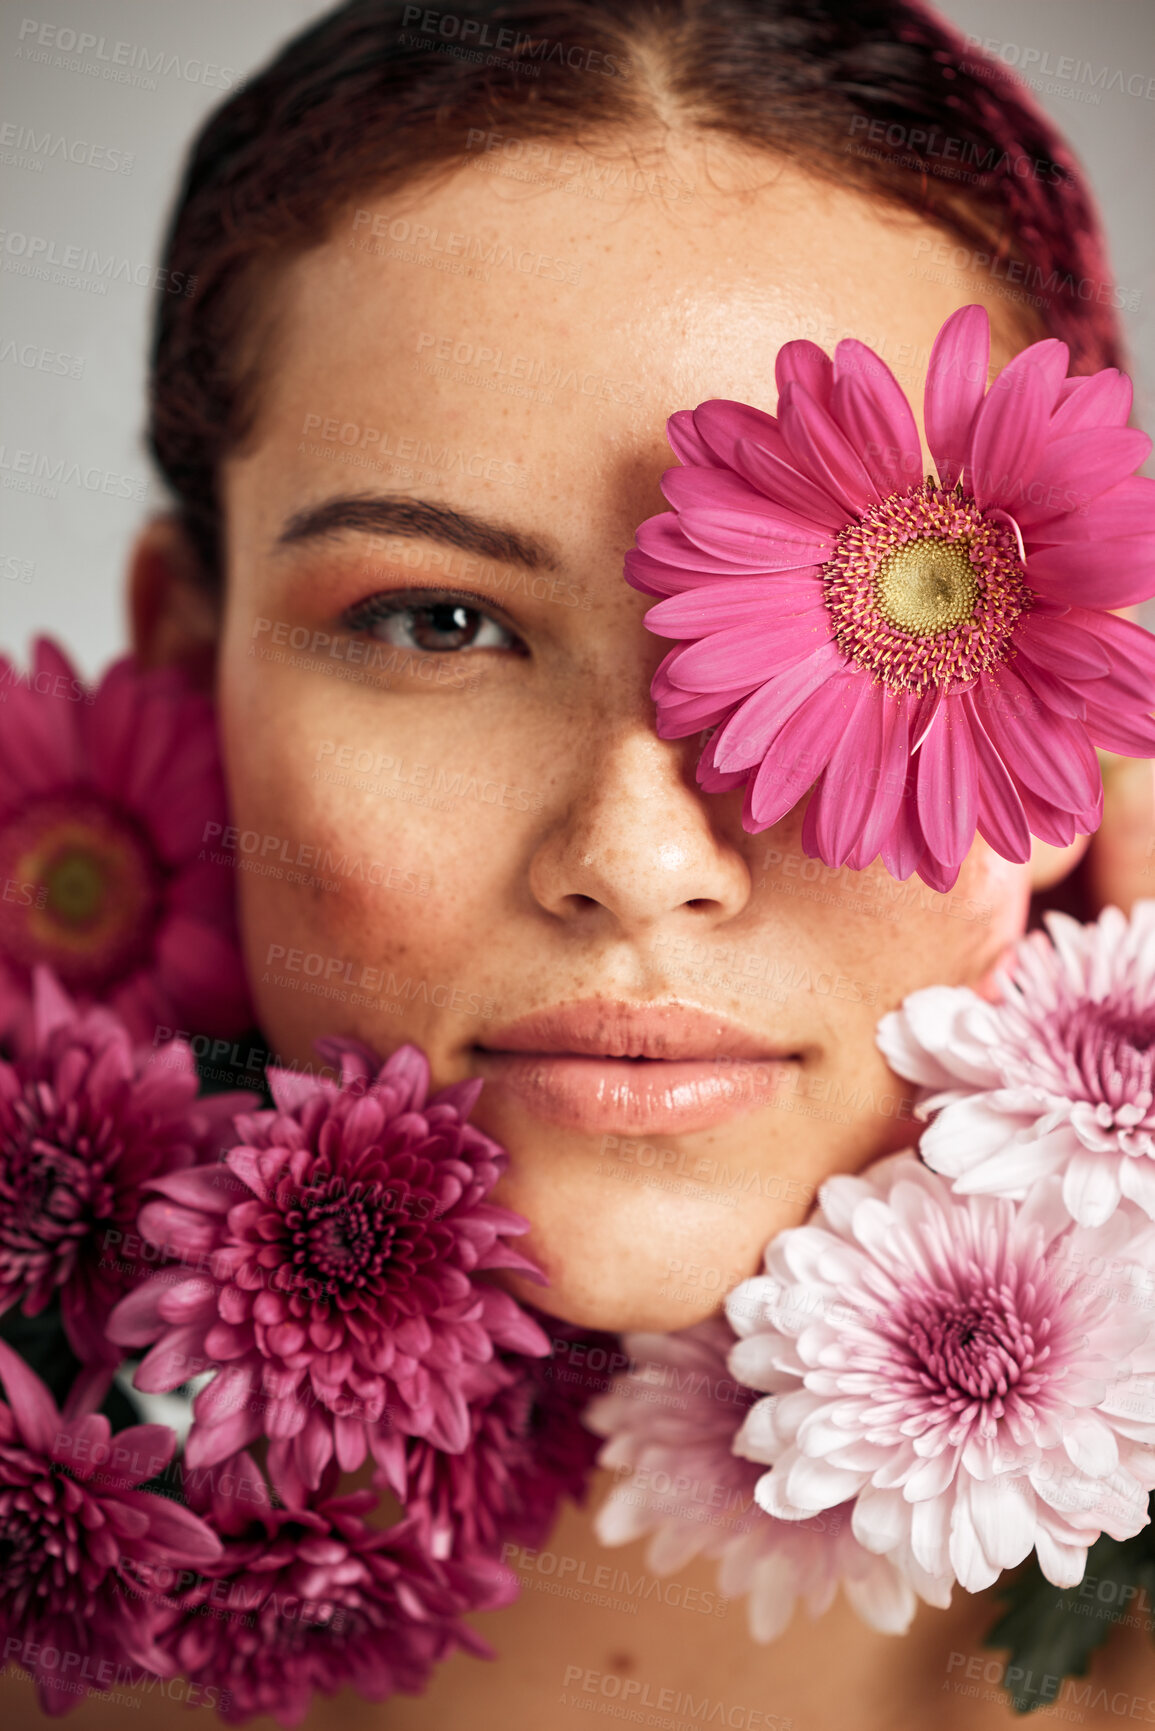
637,842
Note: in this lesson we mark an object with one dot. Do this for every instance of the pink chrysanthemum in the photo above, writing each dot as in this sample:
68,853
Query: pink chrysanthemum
337,1250
312,1598
86,1121
959,1367
931,658
74,1529
528,1450
671,1424
1058,1077
105,798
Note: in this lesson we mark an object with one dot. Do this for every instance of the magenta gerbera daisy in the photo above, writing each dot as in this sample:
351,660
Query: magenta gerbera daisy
313,1598
931,657
1057,1077
86,1119
106,797
338,1286
74,1530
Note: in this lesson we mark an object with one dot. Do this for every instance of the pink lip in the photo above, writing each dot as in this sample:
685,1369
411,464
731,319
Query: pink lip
662,1068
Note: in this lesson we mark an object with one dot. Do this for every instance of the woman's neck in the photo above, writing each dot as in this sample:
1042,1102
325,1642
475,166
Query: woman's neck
595,1632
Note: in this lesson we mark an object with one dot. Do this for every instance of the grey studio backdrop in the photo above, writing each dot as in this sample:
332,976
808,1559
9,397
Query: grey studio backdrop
125,82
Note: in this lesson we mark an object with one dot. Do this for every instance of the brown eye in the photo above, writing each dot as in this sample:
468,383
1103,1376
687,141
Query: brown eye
430,627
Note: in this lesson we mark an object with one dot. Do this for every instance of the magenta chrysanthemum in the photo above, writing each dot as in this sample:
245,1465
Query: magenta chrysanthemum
930,658
962,1368
312,1599
105,799
74,1530
86,1121
671,1423
336,1254
1058,1077
528,1450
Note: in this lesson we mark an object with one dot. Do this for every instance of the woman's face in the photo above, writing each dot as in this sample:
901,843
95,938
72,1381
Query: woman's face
458,824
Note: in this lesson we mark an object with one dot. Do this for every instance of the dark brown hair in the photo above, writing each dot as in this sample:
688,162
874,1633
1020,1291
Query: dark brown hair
879,94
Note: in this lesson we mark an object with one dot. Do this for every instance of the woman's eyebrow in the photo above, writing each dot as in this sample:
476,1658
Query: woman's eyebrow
420,518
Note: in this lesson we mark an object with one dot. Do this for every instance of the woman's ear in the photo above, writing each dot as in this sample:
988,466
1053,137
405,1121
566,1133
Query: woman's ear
174,612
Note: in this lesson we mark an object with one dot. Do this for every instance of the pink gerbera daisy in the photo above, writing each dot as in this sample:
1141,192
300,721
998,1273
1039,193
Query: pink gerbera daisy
1057,1077
105,799
960,1369
335,1283
86,1119
74,1530
930,657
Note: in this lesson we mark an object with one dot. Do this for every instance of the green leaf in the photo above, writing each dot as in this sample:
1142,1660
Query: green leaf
1051,1632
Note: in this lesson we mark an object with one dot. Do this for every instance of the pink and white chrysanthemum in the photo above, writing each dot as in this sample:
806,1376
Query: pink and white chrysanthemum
334,1282
106,797
86,1119
930,657
1057,1077
977,1375
75,1529
671,1422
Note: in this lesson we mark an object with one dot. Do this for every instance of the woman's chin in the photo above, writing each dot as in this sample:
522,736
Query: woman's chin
618,1301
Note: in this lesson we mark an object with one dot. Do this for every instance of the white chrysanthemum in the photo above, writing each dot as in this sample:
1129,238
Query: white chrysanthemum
671,1424
1057,1078
977,1375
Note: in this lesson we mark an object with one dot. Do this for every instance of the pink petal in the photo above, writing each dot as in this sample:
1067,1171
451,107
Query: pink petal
849,790
177,1357
801,362
742,601
722,423
824,453
1129,735
669,556
1064,647
781,482
33,1409
955,382
1073,472
1044,751
739,658
208,1445
895,779
686,442
948,786
905,845
1096,574
1128,508
744,739
210,1188
869,405
759,543
1085,404
1011,426
800,751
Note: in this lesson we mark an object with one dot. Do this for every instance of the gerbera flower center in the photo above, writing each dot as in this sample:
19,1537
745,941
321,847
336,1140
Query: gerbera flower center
927,586
343,1237
90,891
925,589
